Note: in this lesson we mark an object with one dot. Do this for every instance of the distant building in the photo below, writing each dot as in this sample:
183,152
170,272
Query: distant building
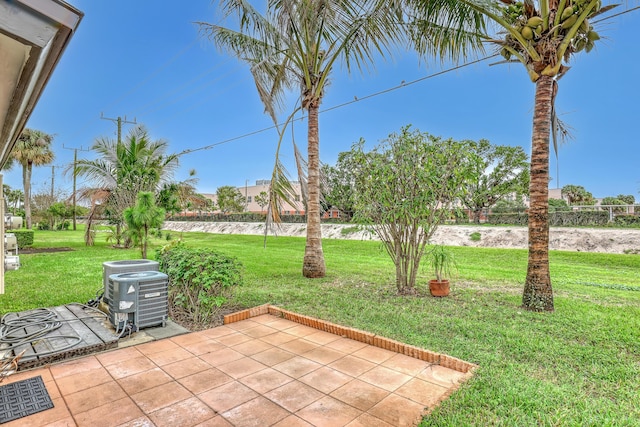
250,192
556,193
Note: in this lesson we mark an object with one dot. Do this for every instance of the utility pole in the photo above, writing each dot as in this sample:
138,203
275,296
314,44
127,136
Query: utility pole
53,177
119,121
75,162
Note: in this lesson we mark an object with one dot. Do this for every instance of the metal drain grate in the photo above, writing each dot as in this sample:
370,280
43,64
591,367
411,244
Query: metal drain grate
23,398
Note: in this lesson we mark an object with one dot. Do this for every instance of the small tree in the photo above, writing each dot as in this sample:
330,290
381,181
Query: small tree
406,187
577,195
59,212
504,172
33,148
614,201
262,200
339,184
558,205
628,199
142,217
230,199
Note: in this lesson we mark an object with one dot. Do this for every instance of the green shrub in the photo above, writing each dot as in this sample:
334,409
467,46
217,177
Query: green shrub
556,205
579,218
200,280
250,217
627,220
24,238
475,236
508,218
63,225
556,219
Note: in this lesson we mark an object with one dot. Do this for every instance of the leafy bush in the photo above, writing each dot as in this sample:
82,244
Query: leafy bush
63,225
614,202
627,220
579,218
556,219
507,218
24,238
200,280
475,236
250,217
556,205
508,206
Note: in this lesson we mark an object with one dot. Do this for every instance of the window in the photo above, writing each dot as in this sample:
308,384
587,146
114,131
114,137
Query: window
249,199
297,198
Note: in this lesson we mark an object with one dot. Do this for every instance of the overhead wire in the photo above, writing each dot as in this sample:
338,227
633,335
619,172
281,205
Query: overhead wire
355,100
372,95
344,104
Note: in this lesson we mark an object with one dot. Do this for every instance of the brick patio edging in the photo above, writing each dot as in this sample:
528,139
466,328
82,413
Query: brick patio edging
355,334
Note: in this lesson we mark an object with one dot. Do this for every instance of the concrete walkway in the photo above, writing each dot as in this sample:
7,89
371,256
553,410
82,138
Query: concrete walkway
262,371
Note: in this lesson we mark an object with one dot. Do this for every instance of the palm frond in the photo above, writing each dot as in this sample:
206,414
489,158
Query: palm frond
301,165
448,29
560,131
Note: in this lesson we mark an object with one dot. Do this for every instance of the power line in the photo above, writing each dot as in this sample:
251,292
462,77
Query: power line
75,162
624,12
382,92
119,121
344,104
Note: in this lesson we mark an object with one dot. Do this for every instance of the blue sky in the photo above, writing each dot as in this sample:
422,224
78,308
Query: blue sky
145,59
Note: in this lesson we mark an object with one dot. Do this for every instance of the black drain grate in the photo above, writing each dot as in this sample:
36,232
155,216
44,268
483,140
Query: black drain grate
23,398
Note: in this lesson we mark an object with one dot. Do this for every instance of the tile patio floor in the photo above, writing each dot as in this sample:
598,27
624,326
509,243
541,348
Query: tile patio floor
264,371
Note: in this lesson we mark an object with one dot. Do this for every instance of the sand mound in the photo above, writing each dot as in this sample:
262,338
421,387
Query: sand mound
606,240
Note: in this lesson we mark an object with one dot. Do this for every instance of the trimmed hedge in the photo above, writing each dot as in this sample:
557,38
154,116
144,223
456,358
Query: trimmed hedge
250,217
24,238
556,219
627,220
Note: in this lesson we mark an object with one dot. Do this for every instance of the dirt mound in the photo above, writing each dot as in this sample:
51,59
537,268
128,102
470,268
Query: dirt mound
607,240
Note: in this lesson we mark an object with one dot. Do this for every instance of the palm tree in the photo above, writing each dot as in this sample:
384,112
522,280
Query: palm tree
33,148
296,45
124,169
543,36
142,217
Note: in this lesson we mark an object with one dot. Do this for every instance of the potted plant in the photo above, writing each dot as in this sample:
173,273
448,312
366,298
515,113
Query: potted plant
443,265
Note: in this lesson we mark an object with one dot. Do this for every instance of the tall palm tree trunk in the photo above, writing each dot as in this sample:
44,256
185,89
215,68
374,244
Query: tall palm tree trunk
313,264
538,294
26,183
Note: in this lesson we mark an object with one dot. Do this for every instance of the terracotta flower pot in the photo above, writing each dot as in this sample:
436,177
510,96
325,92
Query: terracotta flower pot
439,288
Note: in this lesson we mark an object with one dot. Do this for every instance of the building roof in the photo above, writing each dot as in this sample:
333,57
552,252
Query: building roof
33,36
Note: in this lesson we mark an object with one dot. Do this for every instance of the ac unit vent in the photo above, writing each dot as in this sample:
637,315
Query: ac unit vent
124,266
140,297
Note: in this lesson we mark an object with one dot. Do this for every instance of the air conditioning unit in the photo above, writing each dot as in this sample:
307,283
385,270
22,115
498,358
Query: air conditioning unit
140,298
124,266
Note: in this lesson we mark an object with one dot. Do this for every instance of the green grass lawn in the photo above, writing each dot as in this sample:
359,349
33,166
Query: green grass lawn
577,366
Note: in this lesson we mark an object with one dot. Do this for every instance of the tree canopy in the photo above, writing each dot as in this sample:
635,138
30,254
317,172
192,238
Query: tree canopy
230,200
33,148
504,172
405,188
